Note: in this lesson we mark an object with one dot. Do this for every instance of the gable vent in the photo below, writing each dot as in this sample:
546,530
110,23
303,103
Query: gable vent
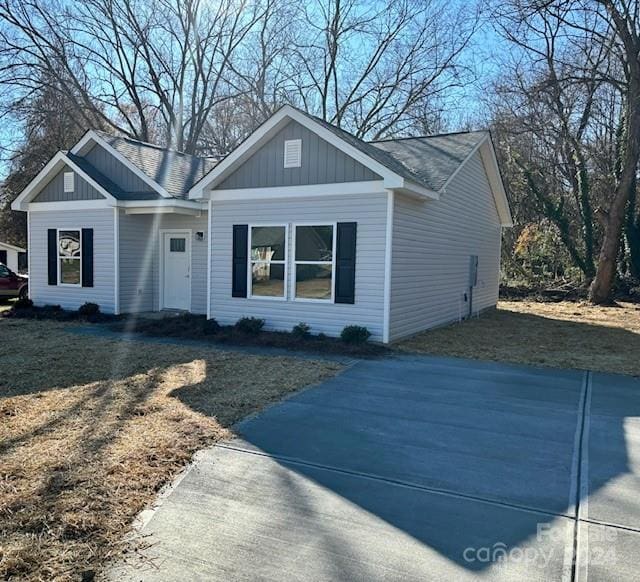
292,153
68,181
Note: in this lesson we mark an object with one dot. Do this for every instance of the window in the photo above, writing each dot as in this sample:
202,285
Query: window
68,181
177,245
314,262
292,153
268,261
69,257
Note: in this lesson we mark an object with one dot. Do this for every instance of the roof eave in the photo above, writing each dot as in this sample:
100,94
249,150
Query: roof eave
416,190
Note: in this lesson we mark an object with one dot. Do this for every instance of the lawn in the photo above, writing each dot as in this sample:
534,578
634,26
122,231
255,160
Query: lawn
91,429
563,335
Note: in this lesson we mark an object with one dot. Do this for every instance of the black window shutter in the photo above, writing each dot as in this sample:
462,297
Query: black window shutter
87,257
240,258
3,257
52,256
345,284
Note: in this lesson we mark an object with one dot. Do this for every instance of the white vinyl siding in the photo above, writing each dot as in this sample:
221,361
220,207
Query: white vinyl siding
140,260
431,249
368,210
72,297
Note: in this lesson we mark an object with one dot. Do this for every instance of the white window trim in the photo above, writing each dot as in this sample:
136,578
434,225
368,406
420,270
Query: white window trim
59,258
285,262
295,263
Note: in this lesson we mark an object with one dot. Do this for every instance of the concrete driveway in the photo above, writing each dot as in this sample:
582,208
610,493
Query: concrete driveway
415,468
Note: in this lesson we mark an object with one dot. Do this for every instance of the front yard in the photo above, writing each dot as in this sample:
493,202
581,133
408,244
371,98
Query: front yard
562,335
91,429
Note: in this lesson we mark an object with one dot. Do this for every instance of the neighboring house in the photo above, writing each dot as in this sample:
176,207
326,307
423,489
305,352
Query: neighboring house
302,222
13,257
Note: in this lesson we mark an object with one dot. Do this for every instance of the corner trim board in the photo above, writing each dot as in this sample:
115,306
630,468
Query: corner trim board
209,247
387,268
116,261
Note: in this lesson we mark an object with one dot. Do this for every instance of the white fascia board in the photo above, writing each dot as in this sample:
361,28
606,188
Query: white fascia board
164,210
340,189
91,137
68,205
492,169
173,202
267,130
173,206
464,162
413,188
7,246
55,164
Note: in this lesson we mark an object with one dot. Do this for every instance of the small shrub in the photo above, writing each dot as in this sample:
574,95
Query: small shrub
355,334
249,325
49,308
210,327
301,331
89,310
23,303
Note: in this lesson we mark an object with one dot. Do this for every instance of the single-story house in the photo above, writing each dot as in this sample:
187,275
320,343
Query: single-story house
13,257
302,222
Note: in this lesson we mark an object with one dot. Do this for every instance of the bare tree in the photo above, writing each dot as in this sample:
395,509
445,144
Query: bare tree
588,48
139,67
368,66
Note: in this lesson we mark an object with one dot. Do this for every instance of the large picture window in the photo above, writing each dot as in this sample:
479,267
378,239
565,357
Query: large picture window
69,257
268,261
314,262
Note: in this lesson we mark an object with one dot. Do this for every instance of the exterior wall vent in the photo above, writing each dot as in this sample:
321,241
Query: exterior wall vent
292,153
68,181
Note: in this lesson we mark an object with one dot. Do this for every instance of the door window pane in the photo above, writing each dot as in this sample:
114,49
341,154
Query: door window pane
177,245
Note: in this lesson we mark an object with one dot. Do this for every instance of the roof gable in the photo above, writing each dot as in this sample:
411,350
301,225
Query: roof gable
175,172
321,163
53,190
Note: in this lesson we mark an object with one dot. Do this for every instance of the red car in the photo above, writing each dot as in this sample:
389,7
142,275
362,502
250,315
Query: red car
11,284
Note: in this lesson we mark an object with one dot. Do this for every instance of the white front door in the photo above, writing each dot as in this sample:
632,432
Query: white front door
176,270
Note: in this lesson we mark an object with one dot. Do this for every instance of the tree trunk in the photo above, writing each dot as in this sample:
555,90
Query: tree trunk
633,235
601,291
602,287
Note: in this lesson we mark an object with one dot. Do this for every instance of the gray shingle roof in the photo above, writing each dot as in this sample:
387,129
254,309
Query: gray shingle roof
175,171
429,161
432,159
108,184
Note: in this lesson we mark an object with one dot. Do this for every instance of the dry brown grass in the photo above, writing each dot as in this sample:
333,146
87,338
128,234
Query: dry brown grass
561,335
91,429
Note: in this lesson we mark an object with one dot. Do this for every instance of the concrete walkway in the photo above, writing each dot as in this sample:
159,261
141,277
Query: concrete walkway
415,468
